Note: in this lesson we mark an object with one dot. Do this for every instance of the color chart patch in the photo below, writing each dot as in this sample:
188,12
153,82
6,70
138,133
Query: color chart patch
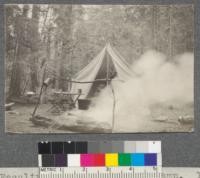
99,154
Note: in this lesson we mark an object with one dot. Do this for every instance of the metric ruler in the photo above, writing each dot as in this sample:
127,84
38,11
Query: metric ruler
101,172
33,172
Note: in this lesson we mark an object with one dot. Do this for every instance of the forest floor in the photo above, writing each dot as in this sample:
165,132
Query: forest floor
18,120
161,119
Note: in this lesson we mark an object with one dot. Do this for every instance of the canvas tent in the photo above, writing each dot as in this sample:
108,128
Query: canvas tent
108,64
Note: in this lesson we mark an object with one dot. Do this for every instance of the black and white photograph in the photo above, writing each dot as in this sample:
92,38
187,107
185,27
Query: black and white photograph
76,68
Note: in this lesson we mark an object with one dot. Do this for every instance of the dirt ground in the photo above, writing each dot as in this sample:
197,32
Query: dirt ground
18,120
162,119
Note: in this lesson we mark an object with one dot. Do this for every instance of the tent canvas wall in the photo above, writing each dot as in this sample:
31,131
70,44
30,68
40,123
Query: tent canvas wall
108,64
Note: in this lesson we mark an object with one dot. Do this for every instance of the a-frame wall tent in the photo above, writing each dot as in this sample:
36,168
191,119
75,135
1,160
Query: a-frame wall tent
108,64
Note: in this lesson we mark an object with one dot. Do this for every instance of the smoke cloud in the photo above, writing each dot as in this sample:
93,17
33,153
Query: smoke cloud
160,81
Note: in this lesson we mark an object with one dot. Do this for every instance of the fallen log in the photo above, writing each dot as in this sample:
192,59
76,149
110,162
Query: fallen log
186,120
72,125
9,106
41,121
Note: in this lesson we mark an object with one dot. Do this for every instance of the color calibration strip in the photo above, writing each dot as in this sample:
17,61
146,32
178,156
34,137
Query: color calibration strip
99,154
99,160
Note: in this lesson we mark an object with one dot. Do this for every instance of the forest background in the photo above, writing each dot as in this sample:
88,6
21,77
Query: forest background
67,37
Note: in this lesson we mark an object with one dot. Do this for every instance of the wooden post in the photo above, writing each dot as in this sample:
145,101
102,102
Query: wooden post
40,95
38,102
114,105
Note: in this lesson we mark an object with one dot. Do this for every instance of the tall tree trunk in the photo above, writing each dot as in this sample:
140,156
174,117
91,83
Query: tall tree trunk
63,64
65,68
57,67
15,81
17,72
34,47
155,25
33,74
170,32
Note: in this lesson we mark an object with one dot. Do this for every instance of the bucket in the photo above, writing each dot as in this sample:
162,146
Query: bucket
83,104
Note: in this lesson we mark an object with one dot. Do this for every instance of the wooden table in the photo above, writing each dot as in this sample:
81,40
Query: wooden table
64,100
